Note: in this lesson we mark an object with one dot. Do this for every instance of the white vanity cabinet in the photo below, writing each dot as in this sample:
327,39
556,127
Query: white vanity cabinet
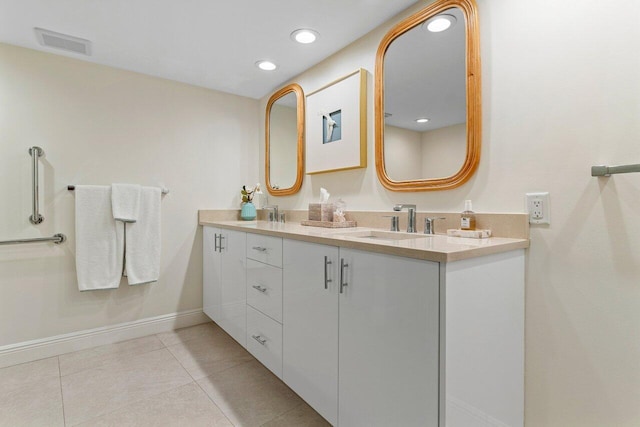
377,339
310,324
224,285
360,339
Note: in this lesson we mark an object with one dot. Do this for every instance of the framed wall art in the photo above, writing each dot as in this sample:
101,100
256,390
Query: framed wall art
336,125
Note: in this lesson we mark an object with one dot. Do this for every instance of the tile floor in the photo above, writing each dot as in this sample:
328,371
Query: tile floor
197,376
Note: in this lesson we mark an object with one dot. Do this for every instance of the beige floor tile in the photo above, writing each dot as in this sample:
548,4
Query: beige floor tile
94,357
187,405
118,383
202,331
215,353
301,416
26,373
249,394
35,403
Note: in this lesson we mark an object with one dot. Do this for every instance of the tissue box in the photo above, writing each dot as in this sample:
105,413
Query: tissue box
321,211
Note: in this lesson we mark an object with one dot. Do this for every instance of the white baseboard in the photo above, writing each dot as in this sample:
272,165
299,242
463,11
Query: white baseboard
28,351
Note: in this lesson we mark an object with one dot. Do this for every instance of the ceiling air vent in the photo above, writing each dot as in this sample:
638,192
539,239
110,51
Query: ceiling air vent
63,41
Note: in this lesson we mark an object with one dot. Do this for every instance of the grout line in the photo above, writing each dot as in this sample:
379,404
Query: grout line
111,359
284,413
64,418
214,402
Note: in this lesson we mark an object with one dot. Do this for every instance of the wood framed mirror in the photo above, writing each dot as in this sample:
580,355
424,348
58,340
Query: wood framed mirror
284,141
428,103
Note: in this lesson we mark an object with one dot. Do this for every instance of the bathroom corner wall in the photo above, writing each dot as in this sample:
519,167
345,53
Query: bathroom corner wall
560,93
100,125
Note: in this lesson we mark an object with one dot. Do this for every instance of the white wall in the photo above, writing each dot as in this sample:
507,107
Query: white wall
560,93
99,125
402,153
444,150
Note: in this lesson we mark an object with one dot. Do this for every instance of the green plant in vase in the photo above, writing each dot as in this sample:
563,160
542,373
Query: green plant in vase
248,211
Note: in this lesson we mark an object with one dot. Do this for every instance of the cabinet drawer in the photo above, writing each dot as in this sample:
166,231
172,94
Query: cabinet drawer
264,288
264,340
266,249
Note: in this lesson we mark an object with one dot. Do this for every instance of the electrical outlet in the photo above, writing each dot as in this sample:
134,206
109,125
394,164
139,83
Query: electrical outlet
538,208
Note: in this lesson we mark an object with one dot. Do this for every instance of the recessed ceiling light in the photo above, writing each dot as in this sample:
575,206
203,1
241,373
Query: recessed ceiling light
422,120
304,35
440,23
266,65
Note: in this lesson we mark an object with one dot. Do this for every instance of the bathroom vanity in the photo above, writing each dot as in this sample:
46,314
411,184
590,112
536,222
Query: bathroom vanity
376,328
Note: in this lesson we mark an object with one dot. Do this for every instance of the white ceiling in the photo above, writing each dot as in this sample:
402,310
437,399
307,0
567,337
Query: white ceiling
209,43
425,76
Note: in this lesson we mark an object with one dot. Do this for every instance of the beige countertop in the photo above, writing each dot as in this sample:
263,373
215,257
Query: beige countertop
438,247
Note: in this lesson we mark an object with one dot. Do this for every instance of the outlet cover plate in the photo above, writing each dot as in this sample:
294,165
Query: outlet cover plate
538,208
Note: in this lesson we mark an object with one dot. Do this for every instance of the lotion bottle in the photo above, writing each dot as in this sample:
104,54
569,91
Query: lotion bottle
468,217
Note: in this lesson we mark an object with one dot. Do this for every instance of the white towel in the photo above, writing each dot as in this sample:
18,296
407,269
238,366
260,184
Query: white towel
98,250
125,202
143,239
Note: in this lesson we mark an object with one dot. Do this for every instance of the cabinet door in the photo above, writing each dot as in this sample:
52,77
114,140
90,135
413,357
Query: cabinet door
389,313
211,289
310,324
233,292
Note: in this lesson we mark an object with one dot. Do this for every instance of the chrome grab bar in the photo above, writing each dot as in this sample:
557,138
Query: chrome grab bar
56,238
73,188
35,153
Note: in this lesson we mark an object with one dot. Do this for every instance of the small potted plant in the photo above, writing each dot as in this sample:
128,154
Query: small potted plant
248,211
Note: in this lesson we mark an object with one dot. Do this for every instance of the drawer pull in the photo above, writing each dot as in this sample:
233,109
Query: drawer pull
258,338
343,265
216,236
259,288
220,247
259,248
327,262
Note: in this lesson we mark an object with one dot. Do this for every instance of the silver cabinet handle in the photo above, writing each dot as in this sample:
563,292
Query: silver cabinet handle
327,262
259,248
215,242
343,265
258,338
220,248
259,288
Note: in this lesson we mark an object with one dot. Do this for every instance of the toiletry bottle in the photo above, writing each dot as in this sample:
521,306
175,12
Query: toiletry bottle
468,217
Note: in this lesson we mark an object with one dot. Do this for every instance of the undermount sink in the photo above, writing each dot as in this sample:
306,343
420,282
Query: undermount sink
383,235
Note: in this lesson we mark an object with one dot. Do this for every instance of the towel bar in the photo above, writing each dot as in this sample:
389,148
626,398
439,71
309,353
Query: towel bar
73,187
610,170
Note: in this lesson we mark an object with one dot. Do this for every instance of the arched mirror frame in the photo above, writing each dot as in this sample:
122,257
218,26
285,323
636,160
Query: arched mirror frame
474,101
297,90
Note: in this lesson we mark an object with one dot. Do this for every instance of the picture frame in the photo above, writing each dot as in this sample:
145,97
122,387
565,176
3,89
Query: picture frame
336,125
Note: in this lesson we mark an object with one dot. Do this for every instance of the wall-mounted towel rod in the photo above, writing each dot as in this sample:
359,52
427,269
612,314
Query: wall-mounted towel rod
610,170
36,153
56,238
73,187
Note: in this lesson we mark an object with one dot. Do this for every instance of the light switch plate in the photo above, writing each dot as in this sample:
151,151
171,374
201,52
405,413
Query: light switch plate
538,208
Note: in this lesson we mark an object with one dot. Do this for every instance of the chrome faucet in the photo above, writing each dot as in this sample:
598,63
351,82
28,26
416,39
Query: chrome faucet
273,214
429,226
411,224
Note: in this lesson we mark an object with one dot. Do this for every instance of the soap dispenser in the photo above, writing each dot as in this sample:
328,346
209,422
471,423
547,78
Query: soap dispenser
467,217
